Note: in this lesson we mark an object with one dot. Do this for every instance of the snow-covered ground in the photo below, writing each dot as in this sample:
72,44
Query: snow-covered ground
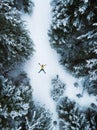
38,25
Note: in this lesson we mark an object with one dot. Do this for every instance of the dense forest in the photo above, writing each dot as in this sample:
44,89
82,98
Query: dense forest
18,111
73,34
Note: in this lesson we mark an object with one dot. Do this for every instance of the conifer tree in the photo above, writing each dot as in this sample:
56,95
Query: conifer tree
73,117
15,43
58,88
73,34
24,5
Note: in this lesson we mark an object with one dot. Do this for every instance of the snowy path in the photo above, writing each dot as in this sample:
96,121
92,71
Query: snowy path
38,25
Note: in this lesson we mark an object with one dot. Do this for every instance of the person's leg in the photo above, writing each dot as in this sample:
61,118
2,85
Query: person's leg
39,71
44,71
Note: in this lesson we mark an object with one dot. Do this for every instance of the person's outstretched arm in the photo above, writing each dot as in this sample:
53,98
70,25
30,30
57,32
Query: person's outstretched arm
39,64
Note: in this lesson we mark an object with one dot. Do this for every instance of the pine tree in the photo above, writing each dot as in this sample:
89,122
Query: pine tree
40,118
73,117
58,88
15,43
15,102
73,33
24,5
17,108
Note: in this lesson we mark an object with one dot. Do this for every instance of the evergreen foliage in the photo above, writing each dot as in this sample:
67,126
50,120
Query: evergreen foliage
73,34
24,5
71,117
58,88
15,43
90,84
15,102
17,108
40,119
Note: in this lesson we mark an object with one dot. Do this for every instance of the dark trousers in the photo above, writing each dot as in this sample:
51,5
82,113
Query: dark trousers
42,70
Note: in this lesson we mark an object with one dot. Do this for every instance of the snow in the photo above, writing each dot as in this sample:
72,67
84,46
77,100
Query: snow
65,21
94,24
38,25
88,35
82,9
86,1
91,62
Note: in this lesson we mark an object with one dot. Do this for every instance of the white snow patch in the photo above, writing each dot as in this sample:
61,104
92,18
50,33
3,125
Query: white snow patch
86,1
87,100
94,24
